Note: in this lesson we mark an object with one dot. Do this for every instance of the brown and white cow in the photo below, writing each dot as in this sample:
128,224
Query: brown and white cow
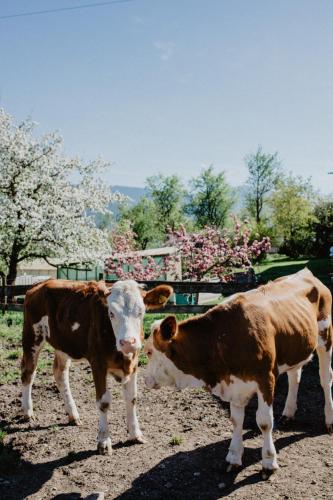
90,321
240,347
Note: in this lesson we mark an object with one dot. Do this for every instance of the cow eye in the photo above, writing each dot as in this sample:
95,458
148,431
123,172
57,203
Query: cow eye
111,315
149,353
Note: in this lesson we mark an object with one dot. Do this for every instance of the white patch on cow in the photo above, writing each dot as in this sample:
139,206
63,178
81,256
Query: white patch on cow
294,378
237,391
42,327
26,400
325,323
285,368
130,395
326,380
265,422
61,375
161,371
104,440
126,310
236,448
75,326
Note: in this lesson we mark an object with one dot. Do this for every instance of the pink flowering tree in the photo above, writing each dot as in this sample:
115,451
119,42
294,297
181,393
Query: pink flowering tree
127,263
208,254
215,253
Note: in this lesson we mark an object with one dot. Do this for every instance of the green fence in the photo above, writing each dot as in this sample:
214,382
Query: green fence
80,273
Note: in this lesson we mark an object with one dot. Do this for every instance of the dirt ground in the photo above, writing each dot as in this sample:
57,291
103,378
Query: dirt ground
50,460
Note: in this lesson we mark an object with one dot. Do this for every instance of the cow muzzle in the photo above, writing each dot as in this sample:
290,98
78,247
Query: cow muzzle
129,345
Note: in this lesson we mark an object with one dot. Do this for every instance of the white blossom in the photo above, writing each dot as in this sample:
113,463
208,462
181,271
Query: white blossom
43,213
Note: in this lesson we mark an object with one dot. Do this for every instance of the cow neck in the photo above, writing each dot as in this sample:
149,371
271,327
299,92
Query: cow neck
194,350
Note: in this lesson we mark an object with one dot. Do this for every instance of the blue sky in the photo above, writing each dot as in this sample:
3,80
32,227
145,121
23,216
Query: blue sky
172,86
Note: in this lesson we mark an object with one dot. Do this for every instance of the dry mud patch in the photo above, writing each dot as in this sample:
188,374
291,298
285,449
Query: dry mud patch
49,459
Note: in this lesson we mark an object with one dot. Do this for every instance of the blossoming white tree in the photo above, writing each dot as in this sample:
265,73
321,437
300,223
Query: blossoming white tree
43,213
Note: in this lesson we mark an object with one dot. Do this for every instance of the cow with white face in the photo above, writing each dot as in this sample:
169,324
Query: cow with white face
92,321
126,310
238,349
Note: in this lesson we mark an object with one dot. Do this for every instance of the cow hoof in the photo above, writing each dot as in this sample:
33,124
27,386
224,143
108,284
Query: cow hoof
266,473
329,428
138,440
233,467
74,421
29,418
104,447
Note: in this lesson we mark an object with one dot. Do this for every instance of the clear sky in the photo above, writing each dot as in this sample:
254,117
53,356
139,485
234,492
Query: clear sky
172,86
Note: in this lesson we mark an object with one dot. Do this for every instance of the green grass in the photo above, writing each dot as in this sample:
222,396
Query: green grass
176,440
277,266
3,434
10,350
11,325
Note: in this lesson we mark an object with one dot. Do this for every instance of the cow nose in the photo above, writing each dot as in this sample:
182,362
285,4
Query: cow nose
129,345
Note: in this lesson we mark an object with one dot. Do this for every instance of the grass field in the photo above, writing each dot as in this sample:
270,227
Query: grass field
278,265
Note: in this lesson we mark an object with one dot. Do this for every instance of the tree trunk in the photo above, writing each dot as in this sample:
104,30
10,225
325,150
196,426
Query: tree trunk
12,269
257,211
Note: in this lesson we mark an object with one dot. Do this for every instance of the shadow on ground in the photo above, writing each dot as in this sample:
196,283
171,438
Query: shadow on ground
200,473
11,463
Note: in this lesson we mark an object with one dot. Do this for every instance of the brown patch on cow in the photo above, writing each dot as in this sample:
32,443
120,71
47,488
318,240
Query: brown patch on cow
28,366
263,427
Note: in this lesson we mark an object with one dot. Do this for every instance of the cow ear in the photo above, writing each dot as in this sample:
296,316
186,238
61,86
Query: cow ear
157,297
168,328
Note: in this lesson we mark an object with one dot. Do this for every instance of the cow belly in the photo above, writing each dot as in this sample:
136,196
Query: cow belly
236,391
285,368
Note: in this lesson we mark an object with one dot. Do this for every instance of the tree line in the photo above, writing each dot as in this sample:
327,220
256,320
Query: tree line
46,214
276,204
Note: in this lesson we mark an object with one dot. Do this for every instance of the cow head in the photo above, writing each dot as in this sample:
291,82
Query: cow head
127,303
160,370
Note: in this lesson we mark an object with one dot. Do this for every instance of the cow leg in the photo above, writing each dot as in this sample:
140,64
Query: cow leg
103,400
236,448
265,420
130,395
294,378
326,377
61,366
31,350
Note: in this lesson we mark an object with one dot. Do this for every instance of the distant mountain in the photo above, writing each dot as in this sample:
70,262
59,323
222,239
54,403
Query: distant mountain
134,193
